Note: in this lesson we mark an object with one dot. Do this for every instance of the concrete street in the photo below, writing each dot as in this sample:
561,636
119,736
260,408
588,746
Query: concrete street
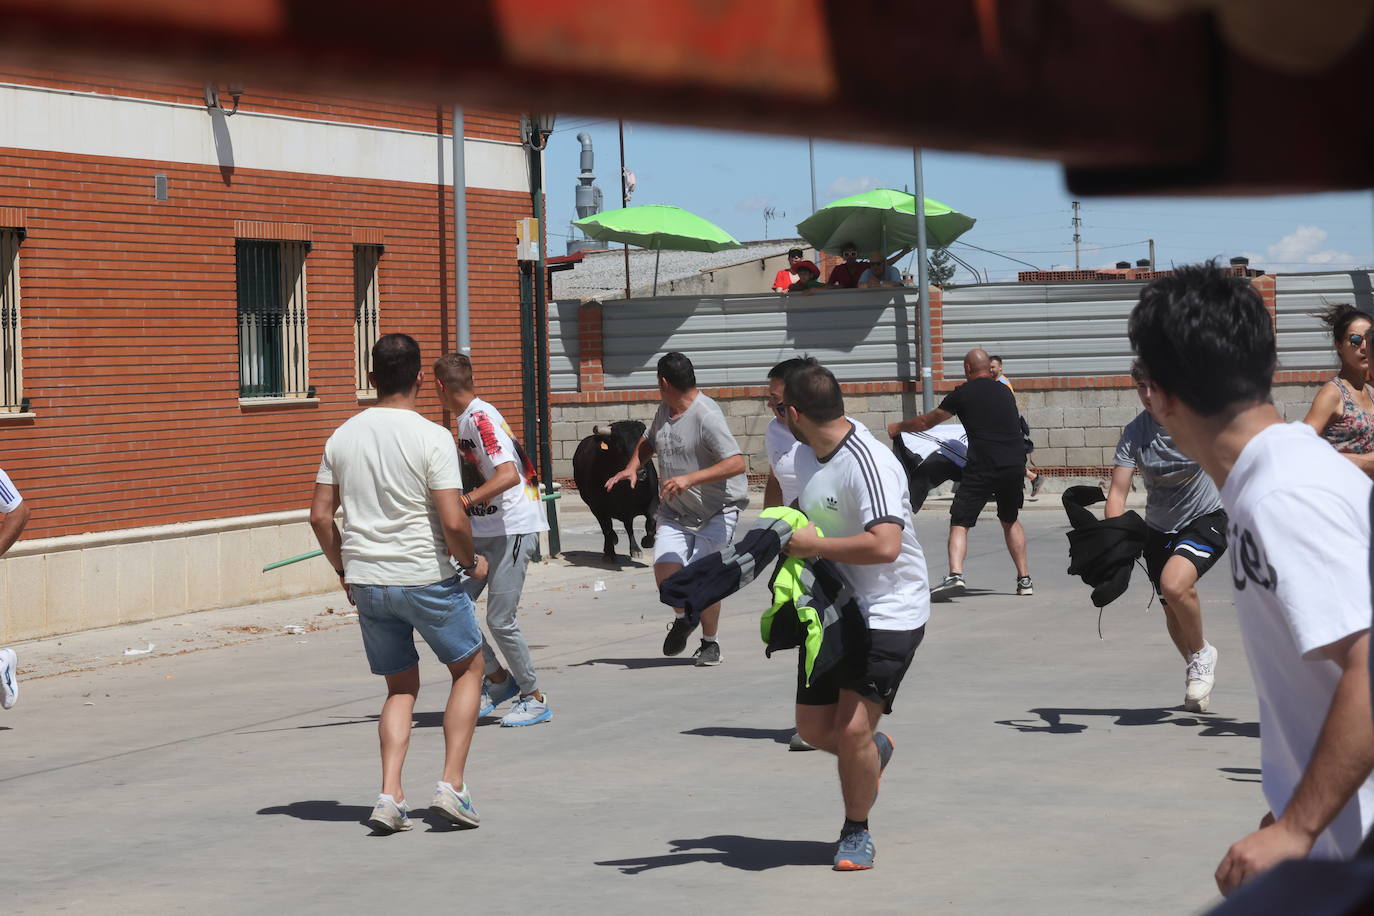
1038,768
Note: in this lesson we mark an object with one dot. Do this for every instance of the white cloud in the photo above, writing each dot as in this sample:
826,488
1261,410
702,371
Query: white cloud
753,204
1301,248
845,186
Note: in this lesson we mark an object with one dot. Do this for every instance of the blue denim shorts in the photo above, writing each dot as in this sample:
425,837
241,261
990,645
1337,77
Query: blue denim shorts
390,615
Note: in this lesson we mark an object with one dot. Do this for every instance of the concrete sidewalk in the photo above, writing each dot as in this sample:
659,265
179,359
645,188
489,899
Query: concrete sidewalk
1038,768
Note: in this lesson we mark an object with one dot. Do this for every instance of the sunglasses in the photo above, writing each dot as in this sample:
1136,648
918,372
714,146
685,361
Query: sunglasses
1355,340
780,409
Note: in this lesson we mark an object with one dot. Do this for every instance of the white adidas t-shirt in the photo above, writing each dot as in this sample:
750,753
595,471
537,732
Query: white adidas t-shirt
485,441
385,461
9,494
1298,542
859,485
782,457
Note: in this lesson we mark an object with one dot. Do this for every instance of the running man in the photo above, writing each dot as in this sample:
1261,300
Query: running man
704,490
1186,535
507,518
995,469
854,491
396,476
1298,536
16,513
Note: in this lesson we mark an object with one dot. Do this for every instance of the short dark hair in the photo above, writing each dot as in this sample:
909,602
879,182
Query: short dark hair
676,369
395,364
795,253
813,391
1205,337
785,368
995,358
455,371
1340,317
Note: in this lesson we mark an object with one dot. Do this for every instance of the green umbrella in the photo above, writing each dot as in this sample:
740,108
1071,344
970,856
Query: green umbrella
657,227
881,220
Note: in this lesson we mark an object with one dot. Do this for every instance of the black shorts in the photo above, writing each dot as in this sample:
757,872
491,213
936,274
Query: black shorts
874,670
1201,542
1005,484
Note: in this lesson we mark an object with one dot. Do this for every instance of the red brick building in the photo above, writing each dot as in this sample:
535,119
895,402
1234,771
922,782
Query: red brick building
189,298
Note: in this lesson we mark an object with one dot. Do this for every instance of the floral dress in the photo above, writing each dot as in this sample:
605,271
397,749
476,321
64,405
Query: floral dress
1353,430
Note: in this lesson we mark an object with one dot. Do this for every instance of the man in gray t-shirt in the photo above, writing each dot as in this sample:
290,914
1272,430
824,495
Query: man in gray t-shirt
1186,534
703,490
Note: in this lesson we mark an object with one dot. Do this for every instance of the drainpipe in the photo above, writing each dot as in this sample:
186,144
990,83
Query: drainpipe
462,316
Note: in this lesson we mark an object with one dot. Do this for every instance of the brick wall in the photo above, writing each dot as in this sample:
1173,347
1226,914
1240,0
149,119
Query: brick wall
129,317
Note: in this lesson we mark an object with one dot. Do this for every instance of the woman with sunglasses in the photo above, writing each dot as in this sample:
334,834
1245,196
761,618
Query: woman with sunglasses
1343,411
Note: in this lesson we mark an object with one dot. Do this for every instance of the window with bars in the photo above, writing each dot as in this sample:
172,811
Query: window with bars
273,351
11,350
366,304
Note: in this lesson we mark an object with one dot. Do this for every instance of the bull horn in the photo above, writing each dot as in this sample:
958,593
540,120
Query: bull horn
601,430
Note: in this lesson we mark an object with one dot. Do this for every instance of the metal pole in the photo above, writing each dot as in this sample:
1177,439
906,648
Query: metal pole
462,316
811,155
541,340
1152,254
657,253
922,293
624,202
1077,222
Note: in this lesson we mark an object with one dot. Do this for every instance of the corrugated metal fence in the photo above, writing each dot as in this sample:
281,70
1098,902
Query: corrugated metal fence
861,335
1040,329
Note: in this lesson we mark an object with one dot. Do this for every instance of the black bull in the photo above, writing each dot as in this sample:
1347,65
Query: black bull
600,457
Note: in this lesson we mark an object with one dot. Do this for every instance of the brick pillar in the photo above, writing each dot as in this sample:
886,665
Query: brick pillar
937,334
1267,287
589,377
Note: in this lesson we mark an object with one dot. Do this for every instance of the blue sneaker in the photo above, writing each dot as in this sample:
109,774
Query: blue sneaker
527,711
493,695
855,852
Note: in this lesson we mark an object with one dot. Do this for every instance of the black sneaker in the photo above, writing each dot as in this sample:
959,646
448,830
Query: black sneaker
1024,586
707,654
676,640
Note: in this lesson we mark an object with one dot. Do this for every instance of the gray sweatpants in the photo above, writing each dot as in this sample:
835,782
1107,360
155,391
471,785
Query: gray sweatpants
507,557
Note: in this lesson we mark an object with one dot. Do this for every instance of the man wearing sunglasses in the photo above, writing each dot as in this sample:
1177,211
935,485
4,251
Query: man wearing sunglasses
1298,539
846,275
1185,535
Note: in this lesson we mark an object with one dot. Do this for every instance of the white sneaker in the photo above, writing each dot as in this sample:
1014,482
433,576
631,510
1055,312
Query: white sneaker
1201,677
454,805
389,816
528,710
9,678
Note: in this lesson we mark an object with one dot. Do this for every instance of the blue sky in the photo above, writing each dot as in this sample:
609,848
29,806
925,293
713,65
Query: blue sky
1021,205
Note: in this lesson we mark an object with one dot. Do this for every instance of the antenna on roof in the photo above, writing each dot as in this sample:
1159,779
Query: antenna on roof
770,214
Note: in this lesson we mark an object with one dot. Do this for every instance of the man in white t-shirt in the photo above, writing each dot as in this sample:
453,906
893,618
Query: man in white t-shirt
396,476
507,518
854,491
1298,541
16,513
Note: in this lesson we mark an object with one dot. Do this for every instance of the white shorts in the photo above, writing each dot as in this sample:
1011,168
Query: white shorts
674,543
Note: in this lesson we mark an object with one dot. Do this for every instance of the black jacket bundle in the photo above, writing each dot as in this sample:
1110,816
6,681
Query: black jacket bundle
708,579
1102,551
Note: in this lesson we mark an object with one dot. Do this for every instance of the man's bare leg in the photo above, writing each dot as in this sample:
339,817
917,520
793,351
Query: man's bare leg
710,620
1015,536
846,729
1182,607
958,548
393,729
460,716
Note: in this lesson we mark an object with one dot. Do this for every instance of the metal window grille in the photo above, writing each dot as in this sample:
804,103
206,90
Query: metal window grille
11,356
366,304
273,351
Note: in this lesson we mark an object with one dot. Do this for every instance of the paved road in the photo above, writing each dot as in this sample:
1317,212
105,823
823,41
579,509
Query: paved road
1038,768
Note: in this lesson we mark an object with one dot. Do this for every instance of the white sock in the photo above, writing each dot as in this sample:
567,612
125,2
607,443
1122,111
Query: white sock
679,614
449,786
709,639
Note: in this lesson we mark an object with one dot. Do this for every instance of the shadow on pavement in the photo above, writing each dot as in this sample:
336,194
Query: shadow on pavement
780,735
743,852
594,560
939,597
1051,721
1241,772
320,810
635,663
418,720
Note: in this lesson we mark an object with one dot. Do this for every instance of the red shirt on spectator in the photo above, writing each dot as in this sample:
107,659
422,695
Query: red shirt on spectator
847,276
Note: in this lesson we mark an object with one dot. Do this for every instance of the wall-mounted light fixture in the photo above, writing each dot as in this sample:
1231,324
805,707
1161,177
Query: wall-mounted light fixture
214,100
535,130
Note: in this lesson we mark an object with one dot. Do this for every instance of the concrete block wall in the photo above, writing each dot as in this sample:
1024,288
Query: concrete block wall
1074,428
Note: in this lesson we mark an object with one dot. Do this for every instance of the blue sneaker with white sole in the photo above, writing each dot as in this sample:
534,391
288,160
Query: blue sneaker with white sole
493,695
527,711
